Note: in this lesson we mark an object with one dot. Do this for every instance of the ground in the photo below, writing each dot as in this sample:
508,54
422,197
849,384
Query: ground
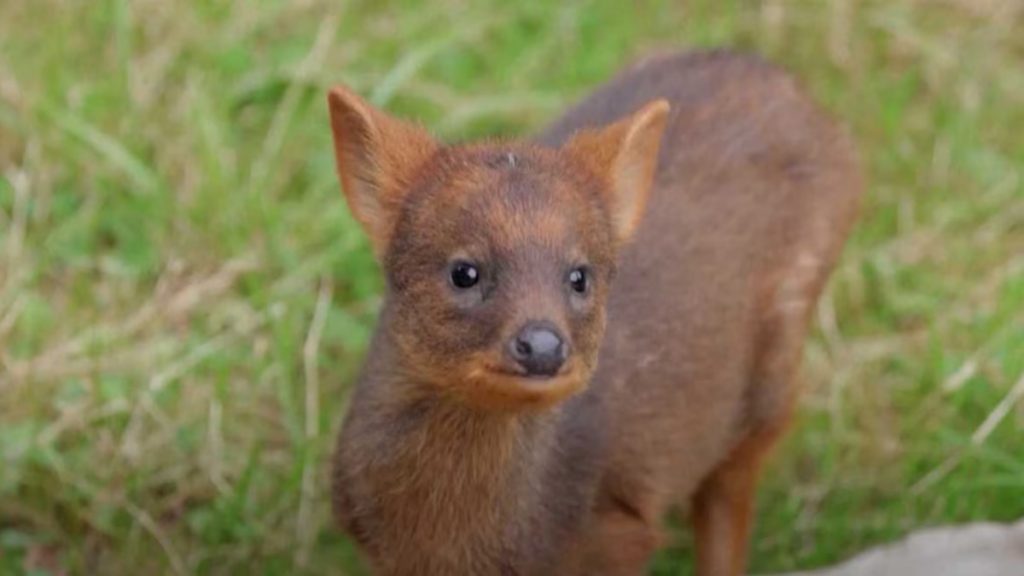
975,549
184,297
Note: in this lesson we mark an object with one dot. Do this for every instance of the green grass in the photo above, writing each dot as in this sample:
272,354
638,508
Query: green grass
184,297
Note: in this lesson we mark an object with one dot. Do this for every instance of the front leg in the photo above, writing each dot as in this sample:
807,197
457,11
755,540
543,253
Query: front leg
620,543
723,507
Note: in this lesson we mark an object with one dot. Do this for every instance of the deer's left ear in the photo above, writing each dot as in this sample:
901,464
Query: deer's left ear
625,154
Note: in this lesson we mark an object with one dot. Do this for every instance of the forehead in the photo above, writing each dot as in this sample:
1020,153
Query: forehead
506,197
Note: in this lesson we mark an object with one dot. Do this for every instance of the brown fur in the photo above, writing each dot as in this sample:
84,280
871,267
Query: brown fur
684,351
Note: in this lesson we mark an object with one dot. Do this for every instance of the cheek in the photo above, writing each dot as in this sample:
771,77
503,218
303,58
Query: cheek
431,318
588,331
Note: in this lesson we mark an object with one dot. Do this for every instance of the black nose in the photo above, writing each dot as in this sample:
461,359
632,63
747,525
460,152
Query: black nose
539,349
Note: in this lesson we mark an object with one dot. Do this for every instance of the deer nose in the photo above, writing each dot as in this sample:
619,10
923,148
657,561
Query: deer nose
539,349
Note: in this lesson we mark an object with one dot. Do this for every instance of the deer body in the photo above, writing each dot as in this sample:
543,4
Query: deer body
666,378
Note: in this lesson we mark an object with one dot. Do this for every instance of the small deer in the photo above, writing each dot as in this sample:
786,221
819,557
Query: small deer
585,331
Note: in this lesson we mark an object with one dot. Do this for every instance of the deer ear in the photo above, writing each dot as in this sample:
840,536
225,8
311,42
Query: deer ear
377,157
625,155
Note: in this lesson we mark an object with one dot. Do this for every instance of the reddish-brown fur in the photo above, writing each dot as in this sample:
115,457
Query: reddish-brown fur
684,353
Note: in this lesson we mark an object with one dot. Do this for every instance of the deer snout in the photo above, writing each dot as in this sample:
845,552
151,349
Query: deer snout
538,349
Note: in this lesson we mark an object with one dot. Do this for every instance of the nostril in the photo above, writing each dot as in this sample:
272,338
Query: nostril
563,351
523,348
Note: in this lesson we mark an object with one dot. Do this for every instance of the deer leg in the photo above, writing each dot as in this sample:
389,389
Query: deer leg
723,506
620,543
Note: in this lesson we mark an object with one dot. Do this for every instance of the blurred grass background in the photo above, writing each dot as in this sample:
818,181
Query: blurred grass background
184,297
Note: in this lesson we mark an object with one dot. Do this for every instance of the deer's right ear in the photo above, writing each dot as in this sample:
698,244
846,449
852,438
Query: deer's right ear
377,157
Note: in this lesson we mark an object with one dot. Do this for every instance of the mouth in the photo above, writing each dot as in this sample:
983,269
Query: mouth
523,374
502,387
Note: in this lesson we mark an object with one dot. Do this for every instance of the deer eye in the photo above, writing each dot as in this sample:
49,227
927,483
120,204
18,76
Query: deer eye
579,280
464,275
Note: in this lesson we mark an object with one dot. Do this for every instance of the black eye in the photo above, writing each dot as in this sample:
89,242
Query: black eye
464,275
578,280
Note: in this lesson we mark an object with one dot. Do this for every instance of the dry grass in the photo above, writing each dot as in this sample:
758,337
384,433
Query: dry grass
184,299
